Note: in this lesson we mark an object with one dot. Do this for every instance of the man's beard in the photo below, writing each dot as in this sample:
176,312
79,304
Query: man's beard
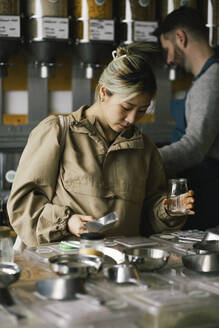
180,60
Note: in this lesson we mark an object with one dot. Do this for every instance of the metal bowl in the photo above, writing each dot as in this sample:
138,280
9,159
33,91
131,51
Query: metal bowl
65,265
61,288
147,259
207,245
75,264
202,262
9,273
78,265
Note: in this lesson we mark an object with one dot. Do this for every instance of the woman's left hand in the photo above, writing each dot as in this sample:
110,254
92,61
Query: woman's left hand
186,201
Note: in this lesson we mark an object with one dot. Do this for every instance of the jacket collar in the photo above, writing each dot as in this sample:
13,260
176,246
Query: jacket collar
130,138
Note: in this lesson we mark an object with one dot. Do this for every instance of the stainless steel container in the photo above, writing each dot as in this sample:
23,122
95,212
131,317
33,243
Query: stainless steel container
10,38
9,7
137,21
57,8
36,10
147,259
202,263
211,7
93,31
46,27
61,288
170,5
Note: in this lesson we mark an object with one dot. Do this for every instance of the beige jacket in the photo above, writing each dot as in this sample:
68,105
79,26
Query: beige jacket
94,178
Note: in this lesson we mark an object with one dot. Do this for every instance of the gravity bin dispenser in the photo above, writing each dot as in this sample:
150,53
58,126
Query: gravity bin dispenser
46,32
93,32
10,39
10,32
213,23
137,21
47,37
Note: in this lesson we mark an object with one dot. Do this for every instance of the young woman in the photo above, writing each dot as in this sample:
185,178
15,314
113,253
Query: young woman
107,163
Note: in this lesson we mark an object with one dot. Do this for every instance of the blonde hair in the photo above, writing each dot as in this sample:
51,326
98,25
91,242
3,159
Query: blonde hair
130,72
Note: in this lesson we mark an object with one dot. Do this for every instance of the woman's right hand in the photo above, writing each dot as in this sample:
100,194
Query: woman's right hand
77,223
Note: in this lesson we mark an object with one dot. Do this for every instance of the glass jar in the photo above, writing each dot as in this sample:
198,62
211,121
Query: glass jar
92,243
6,245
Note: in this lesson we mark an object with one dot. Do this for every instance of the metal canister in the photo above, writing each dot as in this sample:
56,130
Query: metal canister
96,9
9,7
93,31
36,10
140,10
46,26
211,13
85,10
170,5
56,8
10,34
137,20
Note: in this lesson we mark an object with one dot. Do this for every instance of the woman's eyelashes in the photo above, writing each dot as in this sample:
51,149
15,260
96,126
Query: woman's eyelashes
126,109
140,110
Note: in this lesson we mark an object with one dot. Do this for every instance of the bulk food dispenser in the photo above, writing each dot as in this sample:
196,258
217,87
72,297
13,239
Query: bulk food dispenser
10,31
10,43
93,30
137,21
46,32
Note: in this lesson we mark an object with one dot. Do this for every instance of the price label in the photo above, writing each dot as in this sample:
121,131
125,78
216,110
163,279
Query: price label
143,31
55,28
10,26
102,29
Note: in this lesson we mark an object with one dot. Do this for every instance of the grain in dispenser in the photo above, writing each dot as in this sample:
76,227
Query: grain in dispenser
10,31
93,30
137,21
46,31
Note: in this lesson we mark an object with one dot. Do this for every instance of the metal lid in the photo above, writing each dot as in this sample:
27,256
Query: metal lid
4,231
92,236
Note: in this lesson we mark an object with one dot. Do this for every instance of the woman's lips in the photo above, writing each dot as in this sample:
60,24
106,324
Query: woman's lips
124,126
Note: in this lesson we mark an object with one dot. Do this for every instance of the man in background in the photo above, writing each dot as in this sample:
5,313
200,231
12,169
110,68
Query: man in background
194,153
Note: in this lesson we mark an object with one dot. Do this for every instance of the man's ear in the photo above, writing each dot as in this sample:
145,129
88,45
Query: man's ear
181,38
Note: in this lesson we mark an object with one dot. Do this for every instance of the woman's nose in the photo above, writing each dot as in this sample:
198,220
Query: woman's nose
131,117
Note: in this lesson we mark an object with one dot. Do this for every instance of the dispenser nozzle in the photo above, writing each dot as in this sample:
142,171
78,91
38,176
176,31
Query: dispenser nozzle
89,73
172,74
44,71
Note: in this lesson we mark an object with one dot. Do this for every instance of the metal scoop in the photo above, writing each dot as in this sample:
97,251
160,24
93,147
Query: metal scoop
123,273
102,224
9,273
